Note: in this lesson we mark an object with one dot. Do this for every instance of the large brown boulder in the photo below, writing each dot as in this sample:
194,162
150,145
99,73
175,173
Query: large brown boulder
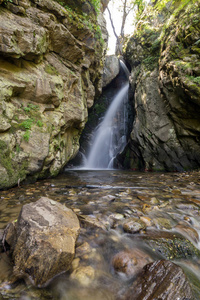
44,241
161,279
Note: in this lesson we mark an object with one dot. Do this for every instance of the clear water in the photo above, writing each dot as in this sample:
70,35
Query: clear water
107,199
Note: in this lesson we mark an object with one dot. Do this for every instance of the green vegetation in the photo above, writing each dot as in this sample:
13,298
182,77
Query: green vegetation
99,108
32,111
151,61
163,33
34,118
185,67
194,79
51,70
64,5
26,136
6,1
3,145
71,6
27,123
82,20
14,170
96,5
17,148
156,45
39,123
31,107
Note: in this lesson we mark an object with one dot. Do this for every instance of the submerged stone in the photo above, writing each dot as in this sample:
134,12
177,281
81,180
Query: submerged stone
130,262
170,245
84,275
188,231
133,225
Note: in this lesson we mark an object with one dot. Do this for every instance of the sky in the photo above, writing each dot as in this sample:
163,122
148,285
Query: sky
117,20
117,17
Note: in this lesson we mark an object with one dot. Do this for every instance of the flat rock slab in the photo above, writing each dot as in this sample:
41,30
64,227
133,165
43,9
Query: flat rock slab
161,279
44,240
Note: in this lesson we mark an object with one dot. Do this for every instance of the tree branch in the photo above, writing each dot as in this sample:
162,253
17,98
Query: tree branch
113,27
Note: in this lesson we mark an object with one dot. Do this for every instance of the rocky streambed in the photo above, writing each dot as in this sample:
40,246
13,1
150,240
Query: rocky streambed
138,239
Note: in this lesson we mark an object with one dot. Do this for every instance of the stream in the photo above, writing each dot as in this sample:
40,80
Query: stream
165,208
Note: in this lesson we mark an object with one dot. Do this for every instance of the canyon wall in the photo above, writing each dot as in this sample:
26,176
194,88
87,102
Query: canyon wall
164,56
51,65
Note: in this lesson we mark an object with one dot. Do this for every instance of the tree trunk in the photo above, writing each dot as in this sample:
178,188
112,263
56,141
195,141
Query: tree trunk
118,44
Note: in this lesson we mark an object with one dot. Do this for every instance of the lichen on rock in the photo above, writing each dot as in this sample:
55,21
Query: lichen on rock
50,71
43,240
164,55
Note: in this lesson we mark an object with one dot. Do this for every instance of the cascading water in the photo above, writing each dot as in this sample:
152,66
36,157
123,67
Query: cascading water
111,135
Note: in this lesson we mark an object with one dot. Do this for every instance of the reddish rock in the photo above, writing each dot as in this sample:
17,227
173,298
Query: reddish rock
130,262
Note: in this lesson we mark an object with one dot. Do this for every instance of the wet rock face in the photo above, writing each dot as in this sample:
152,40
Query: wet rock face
111,69
50,69
165,79
43,243
160,280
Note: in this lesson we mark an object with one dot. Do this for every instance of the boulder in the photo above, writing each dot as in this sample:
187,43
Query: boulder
44,241
161,279
111,69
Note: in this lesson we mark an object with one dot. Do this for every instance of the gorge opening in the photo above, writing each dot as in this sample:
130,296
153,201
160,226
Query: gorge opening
109,134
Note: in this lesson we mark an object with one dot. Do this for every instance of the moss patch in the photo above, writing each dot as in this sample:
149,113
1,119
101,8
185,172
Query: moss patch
15,170
172,246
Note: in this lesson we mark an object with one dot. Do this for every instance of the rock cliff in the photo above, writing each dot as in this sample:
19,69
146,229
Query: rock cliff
51,62
164,55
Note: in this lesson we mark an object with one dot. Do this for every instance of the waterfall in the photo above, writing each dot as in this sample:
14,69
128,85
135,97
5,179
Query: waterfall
110,137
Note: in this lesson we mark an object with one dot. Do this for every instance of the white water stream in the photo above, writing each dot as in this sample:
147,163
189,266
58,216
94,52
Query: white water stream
110,137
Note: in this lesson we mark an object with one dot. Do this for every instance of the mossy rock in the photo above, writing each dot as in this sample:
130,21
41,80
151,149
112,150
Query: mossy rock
171,245
11,170
80,6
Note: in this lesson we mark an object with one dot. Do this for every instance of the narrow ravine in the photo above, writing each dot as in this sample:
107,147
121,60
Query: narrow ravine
110,136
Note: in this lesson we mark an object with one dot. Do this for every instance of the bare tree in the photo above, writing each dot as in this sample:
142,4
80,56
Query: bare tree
126,6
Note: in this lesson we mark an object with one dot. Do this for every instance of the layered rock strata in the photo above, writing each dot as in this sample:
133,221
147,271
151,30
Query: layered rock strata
164,55
161,279
51,62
